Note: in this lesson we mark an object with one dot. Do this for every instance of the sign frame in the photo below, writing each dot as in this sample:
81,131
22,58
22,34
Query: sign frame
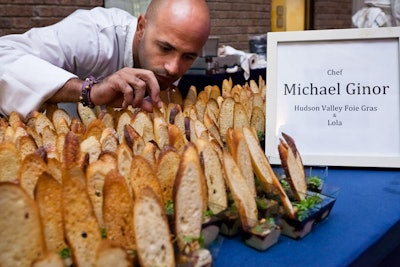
272,135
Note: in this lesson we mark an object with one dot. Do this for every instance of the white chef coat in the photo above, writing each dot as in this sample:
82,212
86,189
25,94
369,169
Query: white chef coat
34,65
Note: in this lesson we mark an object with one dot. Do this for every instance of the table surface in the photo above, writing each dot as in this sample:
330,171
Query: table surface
365,218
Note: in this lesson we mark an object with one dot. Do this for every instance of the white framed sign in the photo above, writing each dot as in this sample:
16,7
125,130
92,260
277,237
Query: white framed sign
336,92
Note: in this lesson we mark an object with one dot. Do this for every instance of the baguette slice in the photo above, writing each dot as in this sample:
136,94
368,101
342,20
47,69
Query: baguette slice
86,114
48,193
82,229
142,174
190,199
293,166
50,259
153,237
143,124
96,173
214,175
118,211
94,128
110,254
72,151
242,195
124,162
160,129
31,168
264,172
226,116
10,162
22,240
109,140
240,117
167,168
239,150
133,139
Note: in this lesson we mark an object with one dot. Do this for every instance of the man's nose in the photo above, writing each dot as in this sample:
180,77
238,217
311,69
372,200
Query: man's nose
172,66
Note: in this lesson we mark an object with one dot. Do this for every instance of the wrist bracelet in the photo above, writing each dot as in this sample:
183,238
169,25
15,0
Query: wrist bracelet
85,91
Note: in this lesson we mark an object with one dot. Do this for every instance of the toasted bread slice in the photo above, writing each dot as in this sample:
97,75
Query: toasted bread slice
62,126
31,168
177,118
177,139
167,167
72,151
200,104
110,254
124,162
107,118
226,116
257,120
214,174
160,131
239,150
60,114
94,128
22,240
254,87
153,237
54,168
142,174
133,139
82,229
14,118
48,194
212,129
190,199
242,195
109,140
26,145
293,166
226,87
91,146
96,173
191,95
77,127
10,162
50,259
264,172
240,117
86,114
150,152
124,119
41,122
143,124
118,211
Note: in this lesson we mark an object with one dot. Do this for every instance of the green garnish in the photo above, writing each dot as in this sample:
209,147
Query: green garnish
208,213
260,136
169,207
261,203
65,253
284,183
190,239
103,233
314,181
306,204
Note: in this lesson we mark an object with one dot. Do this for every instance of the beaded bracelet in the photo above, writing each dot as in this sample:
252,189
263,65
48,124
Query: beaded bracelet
85,91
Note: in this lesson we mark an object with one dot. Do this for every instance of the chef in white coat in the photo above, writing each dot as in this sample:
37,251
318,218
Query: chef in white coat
102,57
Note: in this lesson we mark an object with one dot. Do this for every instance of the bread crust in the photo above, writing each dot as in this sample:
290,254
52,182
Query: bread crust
19,209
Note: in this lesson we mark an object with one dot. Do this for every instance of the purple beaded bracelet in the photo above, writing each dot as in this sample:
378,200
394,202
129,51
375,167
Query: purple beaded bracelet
85,91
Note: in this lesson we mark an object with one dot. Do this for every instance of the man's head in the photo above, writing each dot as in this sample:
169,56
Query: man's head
170,36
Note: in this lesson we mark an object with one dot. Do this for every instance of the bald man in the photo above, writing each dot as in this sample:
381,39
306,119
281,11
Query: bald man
102,57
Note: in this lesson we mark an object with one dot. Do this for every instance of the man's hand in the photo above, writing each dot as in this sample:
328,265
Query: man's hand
128,86
125,87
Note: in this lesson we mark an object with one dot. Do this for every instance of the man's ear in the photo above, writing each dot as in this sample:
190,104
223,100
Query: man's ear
141,25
